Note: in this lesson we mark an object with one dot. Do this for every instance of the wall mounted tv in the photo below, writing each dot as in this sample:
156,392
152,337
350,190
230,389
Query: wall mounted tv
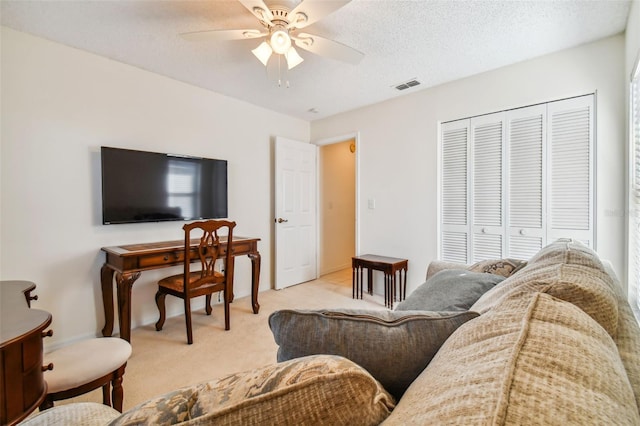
139,186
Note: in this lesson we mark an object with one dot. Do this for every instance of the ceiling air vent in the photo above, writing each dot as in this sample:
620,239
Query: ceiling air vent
407,84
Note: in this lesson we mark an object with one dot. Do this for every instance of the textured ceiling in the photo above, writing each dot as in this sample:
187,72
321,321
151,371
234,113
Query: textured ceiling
431,41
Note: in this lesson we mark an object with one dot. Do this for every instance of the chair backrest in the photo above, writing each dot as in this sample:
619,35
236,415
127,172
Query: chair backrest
209,248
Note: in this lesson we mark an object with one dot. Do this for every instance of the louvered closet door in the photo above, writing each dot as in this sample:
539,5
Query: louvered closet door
525,184
454,239
570,182
487,230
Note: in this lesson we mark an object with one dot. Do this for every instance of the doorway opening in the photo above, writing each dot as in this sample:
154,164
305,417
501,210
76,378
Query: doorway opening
337,207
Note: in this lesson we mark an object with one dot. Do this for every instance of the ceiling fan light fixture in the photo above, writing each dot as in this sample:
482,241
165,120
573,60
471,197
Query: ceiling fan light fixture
263,52
293,58
280,41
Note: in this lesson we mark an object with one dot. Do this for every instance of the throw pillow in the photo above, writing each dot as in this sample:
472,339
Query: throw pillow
449,290
503,267
393,346
532,360
317,390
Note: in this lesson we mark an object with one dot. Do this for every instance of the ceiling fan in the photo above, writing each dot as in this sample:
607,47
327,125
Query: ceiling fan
280,27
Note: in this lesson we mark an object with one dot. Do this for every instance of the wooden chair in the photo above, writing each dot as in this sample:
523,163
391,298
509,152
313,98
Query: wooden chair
204,281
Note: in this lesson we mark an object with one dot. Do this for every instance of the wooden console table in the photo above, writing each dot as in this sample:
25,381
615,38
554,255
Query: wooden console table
22,384
390,266
127,262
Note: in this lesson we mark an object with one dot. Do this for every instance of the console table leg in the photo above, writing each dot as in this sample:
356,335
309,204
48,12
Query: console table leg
106,284
255,280
125,283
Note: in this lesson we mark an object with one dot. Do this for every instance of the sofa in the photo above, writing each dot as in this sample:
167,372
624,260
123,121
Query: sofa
551,341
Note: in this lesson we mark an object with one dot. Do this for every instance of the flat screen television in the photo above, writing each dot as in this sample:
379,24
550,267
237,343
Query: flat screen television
140,186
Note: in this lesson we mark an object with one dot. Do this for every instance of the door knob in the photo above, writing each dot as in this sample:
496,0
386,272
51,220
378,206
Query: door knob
281,220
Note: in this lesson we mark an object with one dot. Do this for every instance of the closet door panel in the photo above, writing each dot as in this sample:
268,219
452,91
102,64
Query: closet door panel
487,183
525,168
454,197
571,171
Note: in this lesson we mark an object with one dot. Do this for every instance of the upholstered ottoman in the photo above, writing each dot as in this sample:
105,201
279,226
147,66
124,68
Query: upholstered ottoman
87,365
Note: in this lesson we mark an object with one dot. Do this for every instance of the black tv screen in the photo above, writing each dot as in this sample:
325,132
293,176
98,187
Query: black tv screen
139,186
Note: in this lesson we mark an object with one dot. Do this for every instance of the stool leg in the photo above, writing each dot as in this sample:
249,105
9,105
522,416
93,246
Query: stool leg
393,289
386,290
106,395
404,286
353,282
118,393
46,404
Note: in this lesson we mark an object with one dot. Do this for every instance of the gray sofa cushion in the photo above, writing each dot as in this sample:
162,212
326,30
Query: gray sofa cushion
450,290
394,347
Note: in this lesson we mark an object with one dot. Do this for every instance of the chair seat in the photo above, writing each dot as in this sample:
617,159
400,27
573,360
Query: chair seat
176,282
83,362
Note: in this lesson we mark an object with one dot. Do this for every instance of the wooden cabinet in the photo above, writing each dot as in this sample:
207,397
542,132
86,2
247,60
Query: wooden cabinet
22,385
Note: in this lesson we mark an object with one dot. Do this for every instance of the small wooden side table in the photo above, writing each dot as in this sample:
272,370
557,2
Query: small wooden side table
390,266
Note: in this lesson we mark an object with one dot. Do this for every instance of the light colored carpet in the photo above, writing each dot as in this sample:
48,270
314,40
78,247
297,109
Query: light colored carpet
162,361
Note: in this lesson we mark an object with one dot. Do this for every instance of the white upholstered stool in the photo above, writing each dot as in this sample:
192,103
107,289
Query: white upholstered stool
87,365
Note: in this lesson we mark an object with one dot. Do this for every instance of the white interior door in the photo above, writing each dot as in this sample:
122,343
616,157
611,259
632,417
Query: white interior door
295,212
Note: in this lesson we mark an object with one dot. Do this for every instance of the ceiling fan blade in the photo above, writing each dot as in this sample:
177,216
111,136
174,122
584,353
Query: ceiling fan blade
213,35
259,9
310,11
329,48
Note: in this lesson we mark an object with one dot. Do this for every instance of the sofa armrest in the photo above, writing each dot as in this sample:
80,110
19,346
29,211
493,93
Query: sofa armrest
439,265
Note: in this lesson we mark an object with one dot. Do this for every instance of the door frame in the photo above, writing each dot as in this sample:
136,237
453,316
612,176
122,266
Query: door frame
328,141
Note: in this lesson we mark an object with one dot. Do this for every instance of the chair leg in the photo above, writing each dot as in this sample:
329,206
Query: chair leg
207,304
226,308
187,317
161,309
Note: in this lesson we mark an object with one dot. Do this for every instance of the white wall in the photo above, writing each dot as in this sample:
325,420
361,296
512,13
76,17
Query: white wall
398,146
59,105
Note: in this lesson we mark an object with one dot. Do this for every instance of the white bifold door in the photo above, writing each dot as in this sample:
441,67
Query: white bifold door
514,181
